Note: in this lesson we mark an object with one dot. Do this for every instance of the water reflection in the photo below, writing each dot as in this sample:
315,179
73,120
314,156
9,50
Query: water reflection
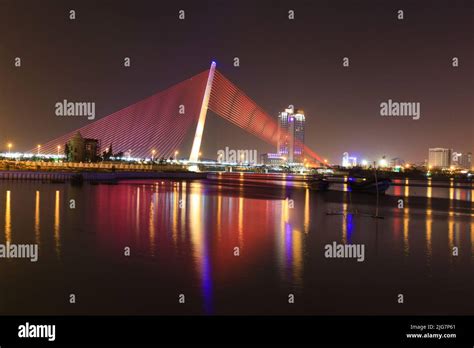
240,226
297,266
406,230
200,247
407,188
37,217
137,212
151,223
176,210
429,222
57,223
8,219
290,245
190,229
472,240
306,211
345,207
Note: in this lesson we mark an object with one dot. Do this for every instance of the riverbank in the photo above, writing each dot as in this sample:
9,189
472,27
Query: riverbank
92,176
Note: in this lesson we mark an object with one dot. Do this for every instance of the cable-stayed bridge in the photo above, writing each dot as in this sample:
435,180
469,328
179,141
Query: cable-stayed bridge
160,122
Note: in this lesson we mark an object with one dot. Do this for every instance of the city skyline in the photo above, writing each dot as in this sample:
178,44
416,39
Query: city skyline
343,103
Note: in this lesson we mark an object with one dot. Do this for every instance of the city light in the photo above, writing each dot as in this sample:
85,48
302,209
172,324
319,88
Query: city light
9,147
365,163
348,161
39,148
383,162
59,148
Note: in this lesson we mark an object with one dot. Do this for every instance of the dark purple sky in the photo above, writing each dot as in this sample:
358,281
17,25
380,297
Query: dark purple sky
282,62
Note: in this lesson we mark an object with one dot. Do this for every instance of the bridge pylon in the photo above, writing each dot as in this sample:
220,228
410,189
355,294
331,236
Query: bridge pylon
194,156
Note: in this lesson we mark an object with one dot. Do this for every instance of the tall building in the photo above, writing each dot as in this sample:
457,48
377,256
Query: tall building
462,160
439,158
291,134
348,161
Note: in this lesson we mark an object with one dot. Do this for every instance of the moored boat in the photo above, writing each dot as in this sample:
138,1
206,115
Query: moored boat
371,185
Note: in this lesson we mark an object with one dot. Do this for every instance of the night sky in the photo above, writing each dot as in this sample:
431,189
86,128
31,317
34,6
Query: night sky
282,62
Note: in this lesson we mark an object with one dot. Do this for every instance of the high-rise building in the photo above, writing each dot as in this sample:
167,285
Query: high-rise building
291,134
348,161
439,158
462,160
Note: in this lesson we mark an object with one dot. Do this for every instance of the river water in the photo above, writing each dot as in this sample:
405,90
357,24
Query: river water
235,248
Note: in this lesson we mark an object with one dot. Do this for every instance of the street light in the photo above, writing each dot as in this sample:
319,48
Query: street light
176,155
152,155
39,148
59,148
9,147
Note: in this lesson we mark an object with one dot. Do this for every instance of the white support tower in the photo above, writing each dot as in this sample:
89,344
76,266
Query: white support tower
194,156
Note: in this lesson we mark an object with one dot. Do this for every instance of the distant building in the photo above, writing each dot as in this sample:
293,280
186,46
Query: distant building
397,162
439,158
462,160
348,161
79,149
272,159
291,129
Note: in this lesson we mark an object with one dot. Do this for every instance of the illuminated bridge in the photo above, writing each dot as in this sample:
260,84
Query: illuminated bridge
161,121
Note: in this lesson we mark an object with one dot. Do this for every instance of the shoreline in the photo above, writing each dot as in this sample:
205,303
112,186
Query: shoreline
65,174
